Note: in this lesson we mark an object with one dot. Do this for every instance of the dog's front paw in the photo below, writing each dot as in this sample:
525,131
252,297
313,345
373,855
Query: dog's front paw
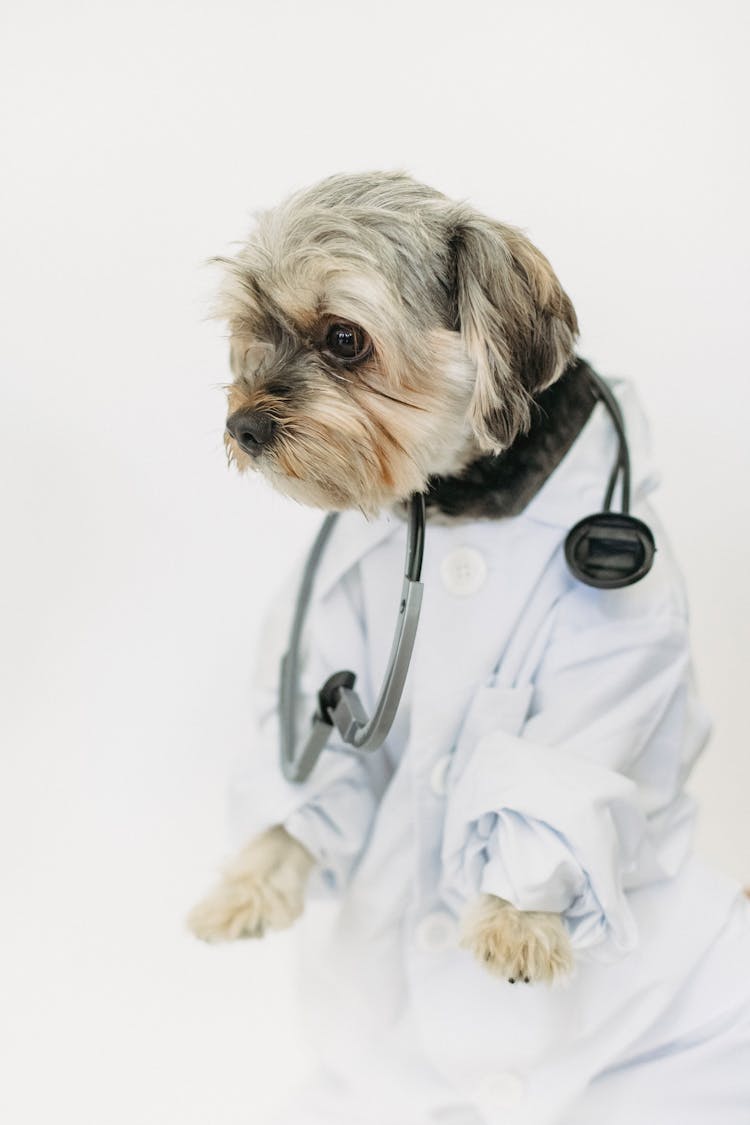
262,889
520,945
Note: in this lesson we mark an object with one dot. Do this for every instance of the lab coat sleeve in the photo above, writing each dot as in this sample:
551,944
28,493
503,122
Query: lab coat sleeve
330,813
583,801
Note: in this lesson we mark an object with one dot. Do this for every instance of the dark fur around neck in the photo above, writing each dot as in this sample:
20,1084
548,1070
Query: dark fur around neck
499,485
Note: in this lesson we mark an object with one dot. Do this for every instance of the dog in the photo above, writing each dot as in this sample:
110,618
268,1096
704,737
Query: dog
528,818
465,323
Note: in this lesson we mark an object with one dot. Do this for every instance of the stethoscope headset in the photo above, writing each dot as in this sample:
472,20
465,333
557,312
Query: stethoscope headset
608,550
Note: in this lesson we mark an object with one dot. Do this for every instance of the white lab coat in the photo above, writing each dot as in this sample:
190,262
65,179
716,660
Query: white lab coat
539,754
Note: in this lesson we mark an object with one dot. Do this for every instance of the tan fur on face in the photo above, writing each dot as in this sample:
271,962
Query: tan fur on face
357,443
467,322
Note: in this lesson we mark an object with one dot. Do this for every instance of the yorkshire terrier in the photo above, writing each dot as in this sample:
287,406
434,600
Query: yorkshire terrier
386,340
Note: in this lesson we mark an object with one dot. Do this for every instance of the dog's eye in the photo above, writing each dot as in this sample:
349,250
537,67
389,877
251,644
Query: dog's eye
347,341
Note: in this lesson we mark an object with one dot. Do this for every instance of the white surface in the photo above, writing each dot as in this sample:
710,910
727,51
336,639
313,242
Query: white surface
136,142
501,1091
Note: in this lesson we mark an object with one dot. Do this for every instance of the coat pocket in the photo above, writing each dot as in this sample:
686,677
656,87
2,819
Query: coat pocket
495,707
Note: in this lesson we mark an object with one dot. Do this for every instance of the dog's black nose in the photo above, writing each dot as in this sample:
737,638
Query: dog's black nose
251,430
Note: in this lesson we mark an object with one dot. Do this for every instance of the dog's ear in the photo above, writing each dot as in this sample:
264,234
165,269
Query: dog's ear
517,324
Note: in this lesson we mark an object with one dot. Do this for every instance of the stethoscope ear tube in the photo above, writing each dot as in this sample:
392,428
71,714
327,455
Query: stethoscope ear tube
338,703
610,550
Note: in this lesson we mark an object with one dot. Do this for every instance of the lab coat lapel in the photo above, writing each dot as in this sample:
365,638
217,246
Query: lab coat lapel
352,538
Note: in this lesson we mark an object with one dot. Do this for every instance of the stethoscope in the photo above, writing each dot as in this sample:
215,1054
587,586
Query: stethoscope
607,550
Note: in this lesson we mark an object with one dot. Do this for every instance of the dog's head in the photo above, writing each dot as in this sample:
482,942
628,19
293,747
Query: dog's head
382,334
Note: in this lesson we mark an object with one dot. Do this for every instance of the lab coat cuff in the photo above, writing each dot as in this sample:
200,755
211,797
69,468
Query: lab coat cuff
531,865
260,796
546,830
331,820
334,857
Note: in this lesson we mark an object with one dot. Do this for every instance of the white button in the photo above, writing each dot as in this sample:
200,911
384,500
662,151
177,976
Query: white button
463,571
439,776
501,1091
437,933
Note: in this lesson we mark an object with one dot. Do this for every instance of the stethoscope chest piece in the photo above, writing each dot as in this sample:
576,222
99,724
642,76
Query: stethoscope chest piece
610,550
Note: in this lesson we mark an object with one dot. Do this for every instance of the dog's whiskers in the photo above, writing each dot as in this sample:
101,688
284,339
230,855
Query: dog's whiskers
374,390
393,398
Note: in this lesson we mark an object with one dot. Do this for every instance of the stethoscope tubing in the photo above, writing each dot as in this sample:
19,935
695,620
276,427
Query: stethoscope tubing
338,703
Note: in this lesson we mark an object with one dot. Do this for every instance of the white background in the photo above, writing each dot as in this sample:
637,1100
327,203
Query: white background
137,140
